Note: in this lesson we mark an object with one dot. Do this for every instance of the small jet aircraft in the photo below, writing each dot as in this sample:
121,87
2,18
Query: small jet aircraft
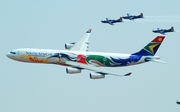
163,31
132,17
112,21
178,102
76,57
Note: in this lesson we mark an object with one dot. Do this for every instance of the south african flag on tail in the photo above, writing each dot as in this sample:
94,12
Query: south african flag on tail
151,48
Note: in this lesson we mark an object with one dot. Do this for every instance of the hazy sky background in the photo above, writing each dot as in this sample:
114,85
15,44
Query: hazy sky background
26,87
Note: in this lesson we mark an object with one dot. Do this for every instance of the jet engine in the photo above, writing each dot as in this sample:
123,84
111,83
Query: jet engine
69,45
70,70
96,76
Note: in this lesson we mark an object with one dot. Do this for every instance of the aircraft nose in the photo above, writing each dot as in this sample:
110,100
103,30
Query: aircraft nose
8,55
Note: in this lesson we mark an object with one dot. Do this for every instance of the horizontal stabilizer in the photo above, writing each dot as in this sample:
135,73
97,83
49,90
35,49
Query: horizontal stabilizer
155,60
159,61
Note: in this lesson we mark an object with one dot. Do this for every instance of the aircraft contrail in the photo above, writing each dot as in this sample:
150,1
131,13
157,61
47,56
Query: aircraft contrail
177,31
166,18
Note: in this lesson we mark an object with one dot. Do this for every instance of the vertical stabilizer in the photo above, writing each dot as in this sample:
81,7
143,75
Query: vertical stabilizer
141,15
151,48
172,29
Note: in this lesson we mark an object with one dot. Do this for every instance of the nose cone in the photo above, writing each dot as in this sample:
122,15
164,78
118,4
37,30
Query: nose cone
11,55
8,55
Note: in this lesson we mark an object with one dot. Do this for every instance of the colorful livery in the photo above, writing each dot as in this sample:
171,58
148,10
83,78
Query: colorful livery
77,58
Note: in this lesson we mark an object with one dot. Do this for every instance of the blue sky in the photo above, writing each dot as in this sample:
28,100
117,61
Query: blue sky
50,24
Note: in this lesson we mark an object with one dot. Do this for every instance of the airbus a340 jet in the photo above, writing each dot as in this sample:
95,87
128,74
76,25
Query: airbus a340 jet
76,57
132,17
112,21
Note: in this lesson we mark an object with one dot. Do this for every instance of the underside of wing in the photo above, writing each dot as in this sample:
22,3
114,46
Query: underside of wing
111,23
93,68
82,44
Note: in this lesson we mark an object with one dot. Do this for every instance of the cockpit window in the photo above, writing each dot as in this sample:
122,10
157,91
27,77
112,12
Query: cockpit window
13,52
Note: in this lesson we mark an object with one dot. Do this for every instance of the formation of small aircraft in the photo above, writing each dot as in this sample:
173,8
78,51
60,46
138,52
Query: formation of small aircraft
76,57
130,17
163,31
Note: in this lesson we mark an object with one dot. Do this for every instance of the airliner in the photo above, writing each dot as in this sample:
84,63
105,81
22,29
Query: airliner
76,57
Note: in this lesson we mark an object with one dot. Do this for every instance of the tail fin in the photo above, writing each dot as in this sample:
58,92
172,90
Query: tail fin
141,15
151,48
172,29
120,19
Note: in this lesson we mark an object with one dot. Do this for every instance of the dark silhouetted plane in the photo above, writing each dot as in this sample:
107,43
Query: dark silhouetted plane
132,17
112,21
163,31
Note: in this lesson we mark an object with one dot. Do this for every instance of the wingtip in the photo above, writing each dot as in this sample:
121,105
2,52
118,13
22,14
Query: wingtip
89,31
128,74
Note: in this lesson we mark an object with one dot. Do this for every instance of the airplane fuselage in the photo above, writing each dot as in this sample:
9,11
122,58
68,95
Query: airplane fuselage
49,56
163,31
77,58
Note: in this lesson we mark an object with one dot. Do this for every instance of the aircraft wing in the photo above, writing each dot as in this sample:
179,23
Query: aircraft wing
104,21
111,23
162,32
128,17
125,17
82,44
93,68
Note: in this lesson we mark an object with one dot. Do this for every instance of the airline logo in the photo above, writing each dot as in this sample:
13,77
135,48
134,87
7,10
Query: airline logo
153,46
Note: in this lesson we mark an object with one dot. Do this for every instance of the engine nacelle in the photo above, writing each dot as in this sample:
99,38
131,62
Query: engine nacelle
70,70
96,76
69,45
